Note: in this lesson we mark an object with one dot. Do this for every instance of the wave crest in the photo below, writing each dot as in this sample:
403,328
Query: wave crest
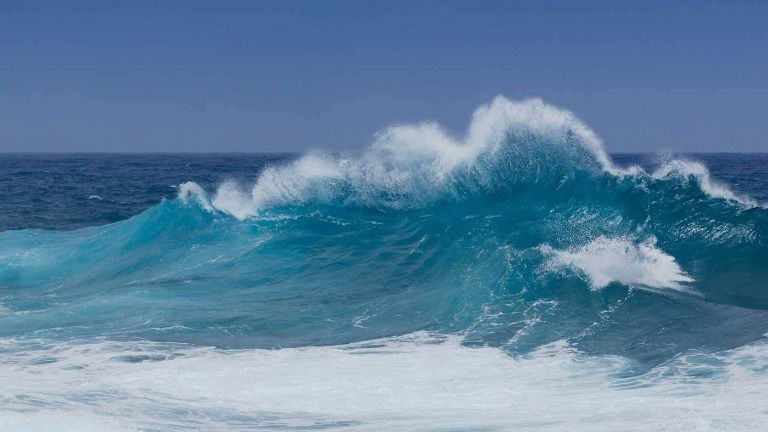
409,165
507,143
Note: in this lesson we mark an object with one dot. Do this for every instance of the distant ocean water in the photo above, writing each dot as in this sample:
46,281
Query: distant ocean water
521,279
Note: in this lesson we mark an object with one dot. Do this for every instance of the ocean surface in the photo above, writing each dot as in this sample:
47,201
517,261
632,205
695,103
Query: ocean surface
516,278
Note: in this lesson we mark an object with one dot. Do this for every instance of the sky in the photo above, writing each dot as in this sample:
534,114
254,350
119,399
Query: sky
252,76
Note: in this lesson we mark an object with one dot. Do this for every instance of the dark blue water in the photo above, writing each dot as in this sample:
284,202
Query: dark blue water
68,191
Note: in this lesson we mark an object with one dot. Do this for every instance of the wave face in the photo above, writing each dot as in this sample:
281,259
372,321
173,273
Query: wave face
522,235
519,235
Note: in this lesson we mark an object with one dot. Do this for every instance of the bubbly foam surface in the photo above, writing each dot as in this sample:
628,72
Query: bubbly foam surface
416,382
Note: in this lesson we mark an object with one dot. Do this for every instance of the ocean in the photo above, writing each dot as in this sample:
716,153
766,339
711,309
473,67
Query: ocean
518,278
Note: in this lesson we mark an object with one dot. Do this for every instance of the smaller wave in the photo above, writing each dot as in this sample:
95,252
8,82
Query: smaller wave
607,260
193,191
683,169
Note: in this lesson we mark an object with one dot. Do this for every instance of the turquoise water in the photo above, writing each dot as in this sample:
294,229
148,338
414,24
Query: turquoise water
520,264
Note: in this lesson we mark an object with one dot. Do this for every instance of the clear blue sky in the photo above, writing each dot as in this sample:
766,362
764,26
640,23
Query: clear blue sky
295,75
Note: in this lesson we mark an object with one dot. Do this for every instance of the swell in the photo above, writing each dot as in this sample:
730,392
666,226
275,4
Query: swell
518,235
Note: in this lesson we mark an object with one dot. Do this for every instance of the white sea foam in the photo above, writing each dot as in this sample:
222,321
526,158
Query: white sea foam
682,168
192,190
606,260
416,383
410,164
231,199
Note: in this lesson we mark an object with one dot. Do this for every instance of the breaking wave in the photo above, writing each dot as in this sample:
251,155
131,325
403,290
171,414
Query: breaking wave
519,234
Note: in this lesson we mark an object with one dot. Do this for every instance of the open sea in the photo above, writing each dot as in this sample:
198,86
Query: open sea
517,279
